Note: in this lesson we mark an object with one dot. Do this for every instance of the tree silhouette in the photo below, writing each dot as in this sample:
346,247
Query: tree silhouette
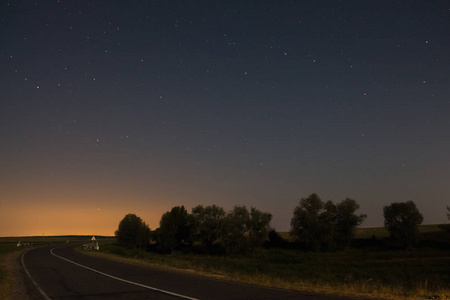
402,221
446,227
259,227
325,225
307,224
346,221
133,232
235,226
175,229
208,223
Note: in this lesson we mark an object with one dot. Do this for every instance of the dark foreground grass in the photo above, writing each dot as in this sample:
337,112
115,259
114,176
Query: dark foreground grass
420,274
6,248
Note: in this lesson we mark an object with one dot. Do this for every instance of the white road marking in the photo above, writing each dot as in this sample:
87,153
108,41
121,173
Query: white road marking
32,280
123,280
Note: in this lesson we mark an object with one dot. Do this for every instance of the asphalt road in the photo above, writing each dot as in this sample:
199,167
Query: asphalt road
62,273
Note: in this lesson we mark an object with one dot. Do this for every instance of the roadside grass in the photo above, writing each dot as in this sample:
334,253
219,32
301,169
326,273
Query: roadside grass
6,247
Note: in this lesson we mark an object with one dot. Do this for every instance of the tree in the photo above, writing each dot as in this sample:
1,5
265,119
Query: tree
325,225
307,224
259,227
237,231
175,229
208,224
235,226
133,232
446,227
346,221
402,221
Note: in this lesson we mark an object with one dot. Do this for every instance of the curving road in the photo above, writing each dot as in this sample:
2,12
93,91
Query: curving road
62,273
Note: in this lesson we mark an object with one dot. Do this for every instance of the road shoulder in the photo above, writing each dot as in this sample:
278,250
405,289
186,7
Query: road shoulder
16,283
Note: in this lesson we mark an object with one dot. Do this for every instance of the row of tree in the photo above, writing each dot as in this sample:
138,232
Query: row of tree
209,228
317,225
327,226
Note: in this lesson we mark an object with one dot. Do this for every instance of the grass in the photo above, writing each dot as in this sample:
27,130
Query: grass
6,247
381,232
378,232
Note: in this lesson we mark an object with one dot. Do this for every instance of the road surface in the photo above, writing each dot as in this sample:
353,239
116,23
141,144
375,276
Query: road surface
63,273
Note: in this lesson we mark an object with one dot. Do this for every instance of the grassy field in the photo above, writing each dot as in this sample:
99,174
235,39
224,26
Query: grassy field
380,232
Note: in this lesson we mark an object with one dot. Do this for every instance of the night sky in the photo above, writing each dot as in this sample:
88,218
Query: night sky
116,107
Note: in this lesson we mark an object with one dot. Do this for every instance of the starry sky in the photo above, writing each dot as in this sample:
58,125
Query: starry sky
116,107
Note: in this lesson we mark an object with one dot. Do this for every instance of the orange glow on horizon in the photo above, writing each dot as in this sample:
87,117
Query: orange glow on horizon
36,220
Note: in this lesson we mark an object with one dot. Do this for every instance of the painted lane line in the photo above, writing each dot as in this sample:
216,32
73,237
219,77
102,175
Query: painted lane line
124,280
32,280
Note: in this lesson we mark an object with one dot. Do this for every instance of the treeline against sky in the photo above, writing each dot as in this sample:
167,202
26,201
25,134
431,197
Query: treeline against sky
316,225
207,229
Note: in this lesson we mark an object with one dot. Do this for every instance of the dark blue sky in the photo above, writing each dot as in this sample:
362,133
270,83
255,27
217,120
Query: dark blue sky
110,107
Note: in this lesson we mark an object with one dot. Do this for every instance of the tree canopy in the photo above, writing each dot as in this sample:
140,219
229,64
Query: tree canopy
175,229
346,221
133,232
306,223
402,221
325,225
208,222
243,230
